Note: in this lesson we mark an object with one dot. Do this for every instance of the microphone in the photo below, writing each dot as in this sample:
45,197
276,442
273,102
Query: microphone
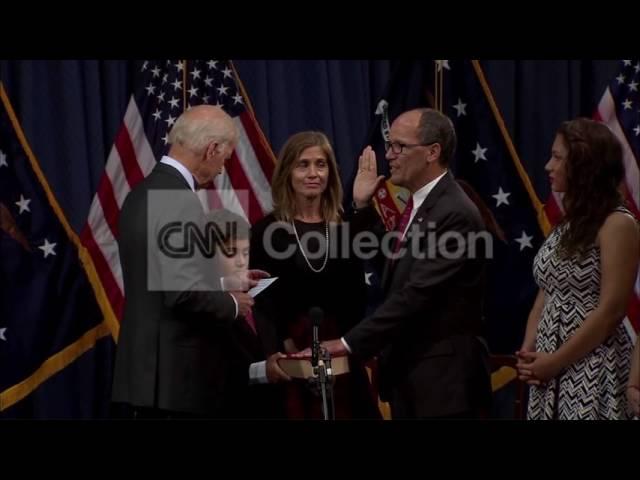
316,315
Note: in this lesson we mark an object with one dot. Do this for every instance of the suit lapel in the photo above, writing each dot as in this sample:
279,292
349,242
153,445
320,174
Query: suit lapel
421,217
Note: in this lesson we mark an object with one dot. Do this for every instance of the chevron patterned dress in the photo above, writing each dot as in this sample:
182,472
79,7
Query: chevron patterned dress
593,387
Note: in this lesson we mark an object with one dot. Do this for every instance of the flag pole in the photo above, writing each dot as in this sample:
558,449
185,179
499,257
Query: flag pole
438,85
184,85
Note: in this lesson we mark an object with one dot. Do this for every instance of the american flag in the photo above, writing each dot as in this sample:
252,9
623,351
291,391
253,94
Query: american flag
163,90
619,109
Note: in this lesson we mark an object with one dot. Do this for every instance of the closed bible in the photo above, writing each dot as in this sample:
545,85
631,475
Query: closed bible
301,367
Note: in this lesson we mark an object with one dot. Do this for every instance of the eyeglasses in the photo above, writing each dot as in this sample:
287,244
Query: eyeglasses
398,148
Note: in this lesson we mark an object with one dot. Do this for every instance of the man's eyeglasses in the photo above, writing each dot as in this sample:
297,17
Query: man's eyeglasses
398,148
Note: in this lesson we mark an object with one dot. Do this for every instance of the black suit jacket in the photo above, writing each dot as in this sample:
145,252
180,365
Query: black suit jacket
175,341
427,328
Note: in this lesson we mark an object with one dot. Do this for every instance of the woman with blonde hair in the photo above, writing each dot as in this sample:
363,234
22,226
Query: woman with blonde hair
303,243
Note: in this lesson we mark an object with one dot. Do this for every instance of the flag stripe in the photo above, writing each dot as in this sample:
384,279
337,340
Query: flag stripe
105,240
259,183
213,199
115,174
128,158
263,153
111,287
630,203
241,184
143,153
228,196
607,111
109,204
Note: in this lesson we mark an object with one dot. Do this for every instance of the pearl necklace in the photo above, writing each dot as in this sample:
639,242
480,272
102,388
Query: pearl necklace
326,253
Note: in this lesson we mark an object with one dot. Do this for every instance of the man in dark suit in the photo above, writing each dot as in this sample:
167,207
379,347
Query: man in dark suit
173,352
433,362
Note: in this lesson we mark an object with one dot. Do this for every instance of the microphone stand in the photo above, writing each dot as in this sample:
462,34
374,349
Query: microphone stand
323,375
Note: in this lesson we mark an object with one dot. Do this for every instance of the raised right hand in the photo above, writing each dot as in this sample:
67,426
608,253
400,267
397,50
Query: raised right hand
367,179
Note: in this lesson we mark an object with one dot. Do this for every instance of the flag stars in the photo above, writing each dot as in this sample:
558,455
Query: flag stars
23,204
620,78
479,153
195,73
208,81
212,64
47,248
237,98
144,66
156,72
637,67
3,159
151,89
160,97
2,334
525,241
177,85
226,72
627,63
174,102
193,91
501,197
633,86
180,66
627,104
165,78
170,121
205,99
165,139
461,108
157,114
222,90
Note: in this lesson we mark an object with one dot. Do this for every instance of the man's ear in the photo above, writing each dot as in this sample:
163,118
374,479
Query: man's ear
211,149
433,154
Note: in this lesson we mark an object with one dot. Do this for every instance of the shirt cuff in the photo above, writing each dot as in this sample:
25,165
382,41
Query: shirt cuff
235,302
346,345
258,373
